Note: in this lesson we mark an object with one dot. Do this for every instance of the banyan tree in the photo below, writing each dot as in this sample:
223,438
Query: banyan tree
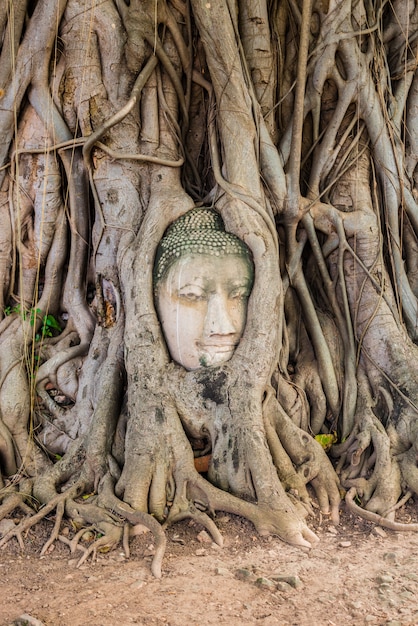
292,127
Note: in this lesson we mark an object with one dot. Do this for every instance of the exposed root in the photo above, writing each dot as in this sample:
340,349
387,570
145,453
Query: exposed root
399,504
34,519
55,532
374,517
7,452
110,539
185,509
280,521
109,500
372,469
309,459
14,501
125,541
138,517
68,542
74,543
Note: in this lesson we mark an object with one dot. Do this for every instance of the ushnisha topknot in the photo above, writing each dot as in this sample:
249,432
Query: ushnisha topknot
199,231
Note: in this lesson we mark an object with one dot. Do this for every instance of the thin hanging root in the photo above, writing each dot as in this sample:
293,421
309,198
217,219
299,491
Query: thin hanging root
37,517
55,532
374,517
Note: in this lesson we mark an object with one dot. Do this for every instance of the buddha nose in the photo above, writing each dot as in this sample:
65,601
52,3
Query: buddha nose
218,319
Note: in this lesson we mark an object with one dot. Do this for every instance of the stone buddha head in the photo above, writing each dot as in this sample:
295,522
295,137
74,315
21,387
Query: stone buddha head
203,277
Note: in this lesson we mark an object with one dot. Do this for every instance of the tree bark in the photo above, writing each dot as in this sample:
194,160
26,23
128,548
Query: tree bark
297,123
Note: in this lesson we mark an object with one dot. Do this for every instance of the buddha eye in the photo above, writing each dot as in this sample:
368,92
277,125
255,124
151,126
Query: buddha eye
239,293
192,295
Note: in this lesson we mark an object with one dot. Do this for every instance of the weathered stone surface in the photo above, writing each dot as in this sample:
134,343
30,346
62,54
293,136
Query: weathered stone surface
265,583
282,586
204,537
293,581
391,557
222,571
27,620
384,578
245,574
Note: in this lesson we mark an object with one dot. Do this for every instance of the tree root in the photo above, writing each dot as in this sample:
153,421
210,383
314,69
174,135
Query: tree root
307,456
34,519
106,520
399,504
110,539
183,508
282,522
374,517
68,542
75,541
372,469
55,532
108,499
13,501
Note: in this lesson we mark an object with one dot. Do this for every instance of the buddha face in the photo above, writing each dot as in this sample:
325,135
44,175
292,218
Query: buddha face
202,307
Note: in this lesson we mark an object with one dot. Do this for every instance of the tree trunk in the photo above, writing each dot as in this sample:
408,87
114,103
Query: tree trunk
298,124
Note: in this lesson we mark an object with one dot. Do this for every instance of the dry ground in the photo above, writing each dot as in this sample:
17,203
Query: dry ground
357,574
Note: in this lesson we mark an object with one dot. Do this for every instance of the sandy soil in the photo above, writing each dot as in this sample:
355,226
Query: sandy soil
357,574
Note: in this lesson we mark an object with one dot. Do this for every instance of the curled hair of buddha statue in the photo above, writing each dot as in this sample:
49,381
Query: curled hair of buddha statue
199,231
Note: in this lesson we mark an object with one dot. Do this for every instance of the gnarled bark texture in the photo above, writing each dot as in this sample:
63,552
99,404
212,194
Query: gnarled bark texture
298,122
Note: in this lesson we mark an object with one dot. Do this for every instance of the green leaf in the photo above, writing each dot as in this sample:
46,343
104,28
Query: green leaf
51,322
326,441
86,496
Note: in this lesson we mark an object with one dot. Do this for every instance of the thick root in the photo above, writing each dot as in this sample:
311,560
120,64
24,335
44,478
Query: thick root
408,467
308,462
281,521
191,512
374,517
108,499
12,501
375,476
